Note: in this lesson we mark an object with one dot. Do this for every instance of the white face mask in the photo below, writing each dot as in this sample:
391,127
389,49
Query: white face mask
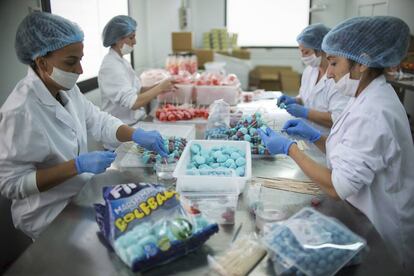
63,78
312,60
126,49
347,86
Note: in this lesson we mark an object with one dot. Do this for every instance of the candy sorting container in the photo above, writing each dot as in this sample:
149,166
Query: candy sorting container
207,94
221,163
310,243
183,94
217,207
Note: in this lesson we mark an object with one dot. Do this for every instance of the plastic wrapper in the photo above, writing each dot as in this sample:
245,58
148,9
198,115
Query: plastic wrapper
147,226
242,256
310,243
218,120
153,76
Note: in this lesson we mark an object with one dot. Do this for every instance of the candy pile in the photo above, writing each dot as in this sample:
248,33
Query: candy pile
243,130
173,113
218,160
311,243
146,240
174,146
147,226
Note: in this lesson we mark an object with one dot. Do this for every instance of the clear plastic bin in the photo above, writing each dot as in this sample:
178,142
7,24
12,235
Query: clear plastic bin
210,183
207,94
183,94
218,207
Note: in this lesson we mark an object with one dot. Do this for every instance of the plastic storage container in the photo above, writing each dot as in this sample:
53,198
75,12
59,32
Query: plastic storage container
183,94
207,94
211,183
218,207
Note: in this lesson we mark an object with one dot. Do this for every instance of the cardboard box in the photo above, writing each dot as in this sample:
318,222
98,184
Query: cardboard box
241,53
203,56
290,81
182,41
267,77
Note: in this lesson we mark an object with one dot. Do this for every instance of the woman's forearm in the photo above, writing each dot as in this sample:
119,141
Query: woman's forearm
321,118
321,144
51,177
146,97
124,133
318,173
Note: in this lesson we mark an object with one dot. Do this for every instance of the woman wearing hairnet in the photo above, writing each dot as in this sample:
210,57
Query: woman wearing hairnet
370,152
44,123
122,93
318,100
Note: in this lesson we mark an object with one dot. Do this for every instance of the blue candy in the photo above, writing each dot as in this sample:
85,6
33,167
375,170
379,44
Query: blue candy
222,158
199,159
243,130
229,163
247,138
235,155
195,148
241,161
240,171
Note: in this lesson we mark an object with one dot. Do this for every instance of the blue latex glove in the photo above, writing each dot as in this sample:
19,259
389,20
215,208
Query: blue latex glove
274,142
94,162
150,140
286,100
298,110
299,127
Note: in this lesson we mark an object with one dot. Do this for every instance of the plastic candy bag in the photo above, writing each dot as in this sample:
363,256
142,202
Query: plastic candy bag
312,244
218,120
147,226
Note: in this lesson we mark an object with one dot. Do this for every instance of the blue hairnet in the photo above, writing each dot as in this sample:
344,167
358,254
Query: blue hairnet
312,36
377,42
41,32
117,28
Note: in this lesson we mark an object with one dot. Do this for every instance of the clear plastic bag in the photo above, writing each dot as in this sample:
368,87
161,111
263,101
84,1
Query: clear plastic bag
218,120
312,244
242,256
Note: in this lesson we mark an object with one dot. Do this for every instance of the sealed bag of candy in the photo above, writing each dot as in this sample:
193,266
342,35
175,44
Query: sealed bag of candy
310,243
147,226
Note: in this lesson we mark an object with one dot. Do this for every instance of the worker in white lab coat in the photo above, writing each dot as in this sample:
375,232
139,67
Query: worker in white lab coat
370,152
317,101
121,90
44,122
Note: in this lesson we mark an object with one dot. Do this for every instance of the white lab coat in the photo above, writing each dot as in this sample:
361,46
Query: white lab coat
371,154
119,88
321,96
38,132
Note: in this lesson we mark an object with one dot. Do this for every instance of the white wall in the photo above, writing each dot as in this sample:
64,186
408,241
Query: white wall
399,8
12,13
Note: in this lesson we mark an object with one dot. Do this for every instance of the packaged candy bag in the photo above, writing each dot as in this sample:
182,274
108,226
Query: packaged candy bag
310,243
218,120
147,226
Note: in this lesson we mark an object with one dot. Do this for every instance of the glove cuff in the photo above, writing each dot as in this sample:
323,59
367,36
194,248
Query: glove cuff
78,166
136,134
287,146
315,137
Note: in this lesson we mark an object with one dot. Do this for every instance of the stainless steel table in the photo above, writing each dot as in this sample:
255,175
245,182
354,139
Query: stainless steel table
72,246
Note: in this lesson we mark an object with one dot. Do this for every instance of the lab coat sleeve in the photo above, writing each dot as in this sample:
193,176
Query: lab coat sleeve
101,125
303,83
115,84
336,101
365,149
23,145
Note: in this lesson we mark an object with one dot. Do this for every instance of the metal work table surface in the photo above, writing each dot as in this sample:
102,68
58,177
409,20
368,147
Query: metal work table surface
71,244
